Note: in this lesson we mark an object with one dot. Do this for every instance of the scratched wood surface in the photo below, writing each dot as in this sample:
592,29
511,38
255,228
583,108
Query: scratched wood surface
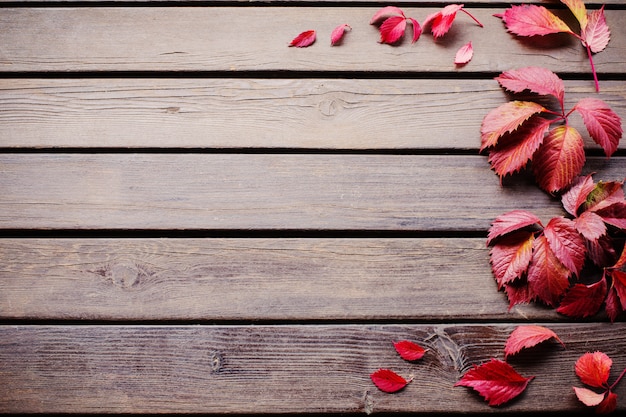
197,219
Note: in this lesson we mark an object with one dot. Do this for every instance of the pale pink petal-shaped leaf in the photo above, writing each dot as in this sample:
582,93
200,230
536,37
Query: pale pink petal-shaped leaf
417,29
577,194
304,39
582,300
590,225
510,222
392,29
338,32
588,397
505,119
536,79
408,350
385,13
566,243
388,381
511,256
532,20
464,54
603,124
528,336
596,34
594,368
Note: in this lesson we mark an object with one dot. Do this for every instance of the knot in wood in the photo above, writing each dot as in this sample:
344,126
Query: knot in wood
216,362
125,275
329,107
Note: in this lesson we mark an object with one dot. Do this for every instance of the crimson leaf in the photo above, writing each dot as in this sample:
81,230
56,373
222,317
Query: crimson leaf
409,351
388,381
526,337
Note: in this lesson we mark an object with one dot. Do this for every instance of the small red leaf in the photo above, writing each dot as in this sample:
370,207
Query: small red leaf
582,301
588,397
304,39
417,29
596,33
590,225
536,79
510,222
392,29
511,256
441,21
505,119
409,351
385,13
496,381
608,405
594,368
548,279
388,381
577,194
337,34
526,337
602,123
531,20
464,54
566,243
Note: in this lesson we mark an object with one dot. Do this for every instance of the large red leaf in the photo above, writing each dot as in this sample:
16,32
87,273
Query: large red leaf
511,256
531,20
579,10
441,21
514,150
602,123
615,214
536,79
510,222
560,159
392,29
548,279
596,33
526,337
338,32
388,381
304,39
583,300
409,351
608,405
505,119
496,381
385,13
577,194
464,54
588,397
590,225
594,368
566,243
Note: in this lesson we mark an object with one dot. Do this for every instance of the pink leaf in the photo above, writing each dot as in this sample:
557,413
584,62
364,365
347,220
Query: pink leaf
441,21
532,20
536,79
385,13
594,368
337,34
511,256
588,397
596,33
590,225
526,337
566,243
388,381
510,222
409,351
505,119
548,279
603,124
464,54
496,381
392,29
577,194
304,39
583,300
417,30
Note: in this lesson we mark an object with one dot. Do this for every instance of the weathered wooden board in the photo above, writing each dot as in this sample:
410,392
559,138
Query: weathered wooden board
253,280
279,369
237,39
266,191
262,113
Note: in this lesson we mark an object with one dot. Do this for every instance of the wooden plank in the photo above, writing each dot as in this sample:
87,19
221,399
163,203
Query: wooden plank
279,369
252,280
265,191
235,39
589,4
262,113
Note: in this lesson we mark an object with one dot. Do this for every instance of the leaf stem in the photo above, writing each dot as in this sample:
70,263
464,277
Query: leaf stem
593,69
619,378
470,15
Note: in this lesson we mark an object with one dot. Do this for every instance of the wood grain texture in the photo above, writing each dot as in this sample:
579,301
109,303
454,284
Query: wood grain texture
589,4
278,369
266,191
252,280
262,113
235,39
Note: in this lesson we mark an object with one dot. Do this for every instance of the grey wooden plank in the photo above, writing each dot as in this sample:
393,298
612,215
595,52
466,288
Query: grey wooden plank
235,39
280,369
262,113
266,191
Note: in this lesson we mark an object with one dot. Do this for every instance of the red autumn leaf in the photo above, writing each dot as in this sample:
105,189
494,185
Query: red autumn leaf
596,33
590,225
601,252
514,150
496,381
304,39
408,350
505,119
417,29
464,54
388,381
518,293
566,243
619,284
392,29
579,10
615,214
385,13
577,194
602,123
612,305
594,368
621,262
604,195
442,20
548,279
582,301
531,20
510,222
588,397
608,405
560,159
511,256
338,32
536,79
526,337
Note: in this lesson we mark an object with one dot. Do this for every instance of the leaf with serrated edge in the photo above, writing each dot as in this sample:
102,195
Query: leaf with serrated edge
408,350
338,32
577,194
518,293
385,13
588,397
548,279
496,381
597,33
566,243
532,20
604,194
441,21
304,39
505,119
615,214
560,159
619,283
594,368
602,123
388,381
535,79
582,300
579,10
392,29
510,222
524,337
511,256
590,225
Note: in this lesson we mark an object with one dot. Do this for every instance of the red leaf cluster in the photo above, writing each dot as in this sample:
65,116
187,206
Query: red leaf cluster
533,20
387,380
594,370
532,262
518,132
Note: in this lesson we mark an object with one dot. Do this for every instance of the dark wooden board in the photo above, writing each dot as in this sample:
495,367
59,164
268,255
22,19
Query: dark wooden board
262,113
278,369
235,39
266,191
253,280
